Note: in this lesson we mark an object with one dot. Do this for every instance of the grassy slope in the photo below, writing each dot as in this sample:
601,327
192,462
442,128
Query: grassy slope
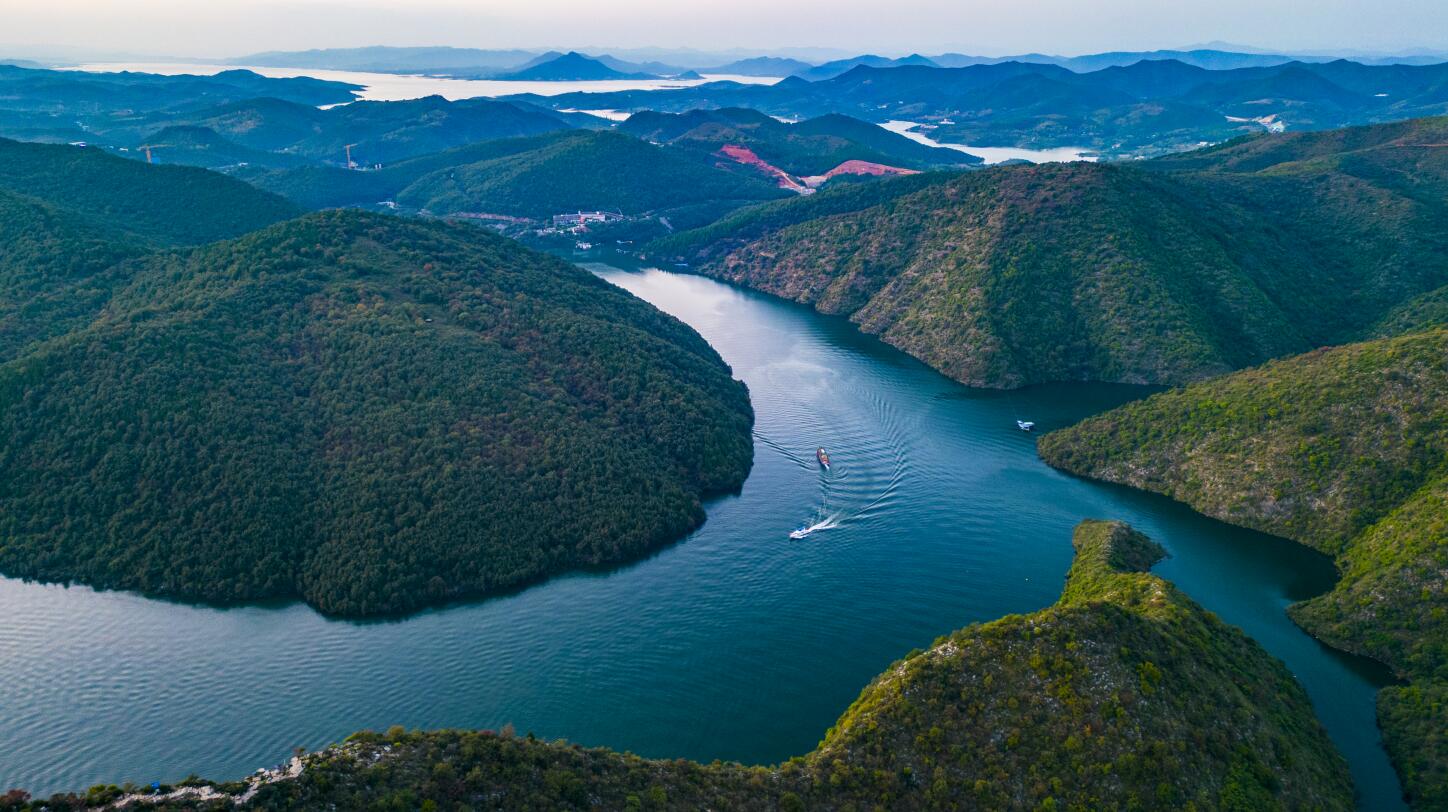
1345,450
1165,274
369,413
1124,695
1026,274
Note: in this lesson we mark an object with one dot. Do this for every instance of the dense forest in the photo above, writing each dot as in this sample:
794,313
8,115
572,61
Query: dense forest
1163,273
71,218
1124,695
1345,450
368,413
379,132
165,205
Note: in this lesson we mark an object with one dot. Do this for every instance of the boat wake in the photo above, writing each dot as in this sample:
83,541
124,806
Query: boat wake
803,532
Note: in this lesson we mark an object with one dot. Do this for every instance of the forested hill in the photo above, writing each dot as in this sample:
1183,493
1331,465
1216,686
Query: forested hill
811,147
1160,274
167,205
367,413
532,177
581,170
1124,695
1345,450
71,217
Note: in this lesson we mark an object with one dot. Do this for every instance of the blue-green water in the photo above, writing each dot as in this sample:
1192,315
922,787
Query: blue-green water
736,643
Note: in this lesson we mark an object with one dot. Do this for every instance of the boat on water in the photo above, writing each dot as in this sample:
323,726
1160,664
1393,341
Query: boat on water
823,458
1025,425
800,533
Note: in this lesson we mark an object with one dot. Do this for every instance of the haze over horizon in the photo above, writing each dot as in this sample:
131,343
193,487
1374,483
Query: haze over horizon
230,28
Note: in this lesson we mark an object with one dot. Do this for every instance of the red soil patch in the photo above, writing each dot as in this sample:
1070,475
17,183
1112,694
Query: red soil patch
746,156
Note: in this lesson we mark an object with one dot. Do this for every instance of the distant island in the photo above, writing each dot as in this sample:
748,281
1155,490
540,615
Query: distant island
1124,694
569,67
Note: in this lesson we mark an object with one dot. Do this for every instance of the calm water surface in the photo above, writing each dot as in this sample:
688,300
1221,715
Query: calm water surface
992,155
401,87
736,643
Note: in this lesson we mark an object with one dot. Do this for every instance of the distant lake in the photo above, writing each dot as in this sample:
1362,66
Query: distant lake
992,155
735,643
399,87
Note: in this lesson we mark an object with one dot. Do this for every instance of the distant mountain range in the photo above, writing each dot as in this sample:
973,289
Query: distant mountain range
1146,108
665,62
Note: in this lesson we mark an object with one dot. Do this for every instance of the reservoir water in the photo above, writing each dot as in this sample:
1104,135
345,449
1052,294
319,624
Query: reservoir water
401,87
736,643
991,155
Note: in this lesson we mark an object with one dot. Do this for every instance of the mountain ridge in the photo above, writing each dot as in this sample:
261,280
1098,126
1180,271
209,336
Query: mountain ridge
1162,272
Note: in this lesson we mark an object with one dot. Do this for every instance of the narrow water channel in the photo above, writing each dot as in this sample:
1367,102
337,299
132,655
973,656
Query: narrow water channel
737,643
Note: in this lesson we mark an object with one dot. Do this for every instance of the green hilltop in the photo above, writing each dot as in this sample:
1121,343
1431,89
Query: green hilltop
364,412
1345,450
162,205
1123,695
1165,272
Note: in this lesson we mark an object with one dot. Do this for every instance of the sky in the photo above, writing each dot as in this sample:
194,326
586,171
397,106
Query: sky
229,28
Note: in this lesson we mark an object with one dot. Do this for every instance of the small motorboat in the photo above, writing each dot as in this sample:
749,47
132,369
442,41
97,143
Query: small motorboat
823,458
1025,425
800,533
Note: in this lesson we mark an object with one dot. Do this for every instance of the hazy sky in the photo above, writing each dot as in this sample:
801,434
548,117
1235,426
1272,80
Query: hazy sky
235,27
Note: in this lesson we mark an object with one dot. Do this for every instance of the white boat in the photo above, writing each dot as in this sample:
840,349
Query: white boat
800,533
1025,425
